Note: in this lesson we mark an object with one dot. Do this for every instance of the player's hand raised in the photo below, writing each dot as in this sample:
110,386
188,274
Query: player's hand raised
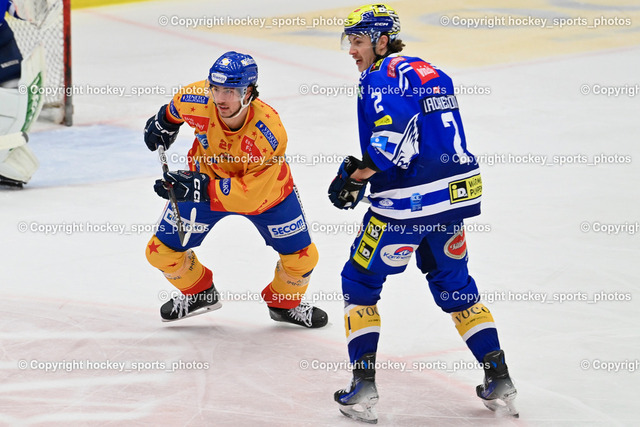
160,131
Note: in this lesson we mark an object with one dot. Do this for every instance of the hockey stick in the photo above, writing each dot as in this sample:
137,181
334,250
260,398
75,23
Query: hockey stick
172,196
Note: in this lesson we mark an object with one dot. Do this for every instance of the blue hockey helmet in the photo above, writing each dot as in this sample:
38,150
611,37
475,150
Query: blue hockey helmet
233,69
373,20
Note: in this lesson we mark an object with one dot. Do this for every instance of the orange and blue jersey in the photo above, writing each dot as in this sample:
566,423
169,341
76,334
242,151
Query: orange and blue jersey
249,166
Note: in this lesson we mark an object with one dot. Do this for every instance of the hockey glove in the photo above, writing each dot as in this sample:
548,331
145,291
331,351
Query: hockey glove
188,186
346,192
160,131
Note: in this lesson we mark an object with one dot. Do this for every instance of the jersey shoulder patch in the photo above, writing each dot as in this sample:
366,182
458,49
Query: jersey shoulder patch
391,67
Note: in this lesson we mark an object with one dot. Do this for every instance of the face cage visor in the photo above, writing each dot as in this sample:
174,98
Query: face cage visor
227,94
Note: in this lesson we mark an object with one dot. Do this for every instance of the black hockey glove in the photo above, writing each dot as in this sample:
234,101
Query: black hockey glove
160,131
346,192
188,186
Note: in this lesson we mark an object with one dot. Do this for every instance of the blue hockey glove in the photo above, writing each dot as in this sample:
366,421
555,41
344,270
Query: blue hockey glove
160,131
346,192
188,186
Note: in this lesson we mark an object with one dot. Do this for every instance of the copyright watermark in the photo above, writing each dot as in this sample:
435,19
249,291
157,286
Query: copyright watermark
75,365
537,297
507,21
221,21
610,90
69,228
491,159
610,365
390,365
630,228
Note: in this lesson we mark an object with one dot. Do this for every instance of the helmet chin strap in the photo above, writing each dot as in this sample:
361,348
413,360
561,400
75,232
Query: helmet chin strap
242,105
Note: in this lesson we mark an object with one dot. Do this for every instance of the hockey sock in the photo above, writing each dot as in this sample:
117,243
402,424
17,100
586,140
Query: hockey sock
291,278
477,328
182,269
362,325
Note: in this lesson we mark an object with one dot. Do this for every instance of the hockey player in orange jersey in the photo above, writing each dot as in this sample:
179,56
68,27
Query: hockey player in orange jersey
237,166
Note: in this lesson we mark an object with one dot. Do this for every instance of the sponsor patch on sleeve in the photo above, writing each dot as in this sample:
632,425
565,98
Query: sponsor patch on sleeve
425,71
225,186
270,137
204,141
391,68
194,99
173,110
199,122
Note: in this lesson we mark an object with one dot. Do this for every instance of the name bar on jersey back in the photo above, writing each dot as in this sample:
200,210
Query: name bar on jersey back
439,103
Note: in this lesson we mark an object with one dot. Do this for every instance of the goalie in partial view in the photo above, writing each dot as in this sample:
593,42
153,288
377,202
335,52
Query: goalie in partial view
237,166
20,91
424,183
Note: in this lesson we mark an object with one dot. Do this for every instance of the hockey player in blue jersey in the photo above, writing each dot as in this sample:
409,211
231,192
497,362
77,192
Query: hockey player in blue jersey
423,183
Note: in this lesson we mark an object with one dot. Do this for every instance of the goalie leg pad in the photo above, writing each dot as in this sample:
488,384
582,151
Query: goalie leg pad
291,278
182,269
17,161
18,111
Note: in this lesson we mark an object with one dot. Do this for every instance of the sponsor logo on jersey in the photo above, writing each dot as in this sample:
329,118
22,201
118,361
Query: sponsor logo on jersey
380,142
456,246
383,121
465,189
173,110
364,253
225,186
391,68
199,122
416,202
287,229
267,134
397,255
369,242
386,203
248,146
376,65
194,99
439,103
425,71
204,141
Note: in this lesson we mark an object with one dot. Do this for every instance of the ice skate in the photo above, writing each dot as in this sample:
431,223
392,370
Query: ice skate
183,306
359,400
497,392
304,315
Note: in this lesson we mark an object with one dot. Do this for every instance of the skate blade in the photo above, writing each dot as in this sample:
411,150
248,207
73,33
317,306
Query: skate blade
505,409
367,416
198,312
359,412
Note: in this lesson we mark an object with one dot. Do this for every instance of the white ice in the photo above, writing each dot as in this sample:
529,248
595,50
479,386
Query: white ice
90,296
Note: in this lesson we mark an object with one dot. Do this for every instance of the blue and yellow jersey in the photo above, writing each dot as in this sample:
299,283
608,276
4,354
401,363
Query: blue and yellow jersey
410,127
249,167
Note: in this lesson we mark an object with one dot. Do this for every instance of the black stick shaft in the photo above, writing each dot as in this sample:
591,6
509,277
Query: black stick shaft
172,196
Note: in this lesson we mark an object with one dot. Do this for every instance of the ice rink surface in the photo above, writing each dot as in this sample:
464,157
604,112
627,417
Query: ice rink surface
553,251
